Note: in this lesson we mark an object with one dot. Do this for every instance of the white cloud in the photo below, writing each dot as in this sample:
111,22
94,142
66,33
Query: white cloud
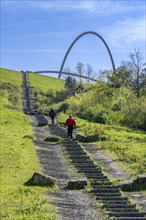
51,6
127,32
99,7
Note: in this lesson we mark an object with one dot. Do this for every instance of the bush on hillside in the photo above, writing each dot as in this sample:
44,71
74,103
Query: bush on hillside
14,95
134,115
114,106
63,108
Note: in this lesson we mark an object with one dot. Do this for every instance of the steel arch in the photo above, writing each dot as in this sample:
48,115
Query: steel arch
76,39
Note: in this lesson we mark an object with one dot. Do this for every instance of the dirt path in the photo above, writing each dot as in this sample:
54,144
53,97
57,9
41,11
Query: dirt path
110,166
70,204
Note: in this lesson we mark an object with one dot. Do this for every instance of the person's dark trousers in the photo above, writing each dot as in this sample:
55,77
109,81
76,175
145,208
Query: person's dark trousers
52,120
70,131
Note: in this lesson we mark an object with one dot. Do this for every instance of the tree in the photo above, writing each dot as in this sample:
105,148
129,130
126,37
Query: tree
80,69
143,78
122,77
66,69
70,85
104,75
89,72
137,65
80,88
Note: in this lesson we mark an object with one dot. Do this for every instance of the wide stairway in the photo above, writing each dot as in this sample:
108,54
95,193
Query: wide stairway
116,204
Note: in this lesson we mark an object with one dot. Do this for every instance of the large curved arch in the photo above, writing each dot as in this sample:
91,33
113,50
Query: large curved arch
81,35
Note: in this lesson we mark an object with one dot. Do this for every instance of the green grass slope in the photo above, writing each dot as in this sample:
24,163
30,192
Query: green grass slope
124,144
45,83
45,88
18,157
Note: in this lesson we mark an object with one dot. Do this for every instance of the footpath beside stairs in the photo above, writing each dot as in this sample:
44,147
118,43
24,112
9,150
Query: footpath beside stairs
114,202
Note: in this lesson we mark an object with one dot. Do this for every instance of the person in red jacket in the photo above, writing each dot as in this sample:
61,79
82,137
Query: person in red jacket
70,124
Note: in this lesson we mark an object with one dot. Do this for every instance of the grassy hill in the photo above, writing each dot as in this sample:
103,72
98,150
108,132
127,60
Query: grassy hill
18,156
45,88
45,83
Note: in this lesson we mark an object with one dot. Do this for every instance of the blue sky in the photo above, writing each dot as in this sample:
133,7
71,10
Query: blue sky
35,35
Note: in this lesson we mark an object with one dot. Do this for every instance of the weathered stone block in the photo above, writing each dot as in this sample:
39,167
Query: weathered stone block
141,179
77,184
39,179
52,139
81,137
92,138
133,185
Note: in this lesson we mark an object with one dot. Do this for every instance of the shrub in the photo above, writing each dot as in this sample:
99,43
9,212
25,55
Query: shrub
63,108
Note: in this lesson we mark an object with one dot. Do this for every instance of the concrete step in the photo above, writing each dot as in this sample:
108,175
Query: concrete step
98,176
80,164
112,198
102,183
107,194
131,218
122,209
119,206
127,214
87,171
76,154
68,144
77,151
74,142
94,175
105,190
73,149
83,166
80,160
116,202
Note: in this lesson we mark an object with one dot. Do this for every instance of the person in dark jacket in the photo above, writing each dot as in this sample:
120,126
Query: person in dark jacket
70,124
52,115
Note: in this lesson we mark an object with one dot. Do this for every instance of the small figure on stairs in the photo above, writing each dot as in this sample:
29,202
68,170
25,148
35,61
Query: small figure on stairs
70,124
52,115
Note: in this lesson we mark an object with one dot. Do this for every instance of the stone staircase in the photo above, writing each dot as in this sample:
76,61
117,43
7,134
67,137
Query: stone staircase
117,205
26,94
114,202
28,102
